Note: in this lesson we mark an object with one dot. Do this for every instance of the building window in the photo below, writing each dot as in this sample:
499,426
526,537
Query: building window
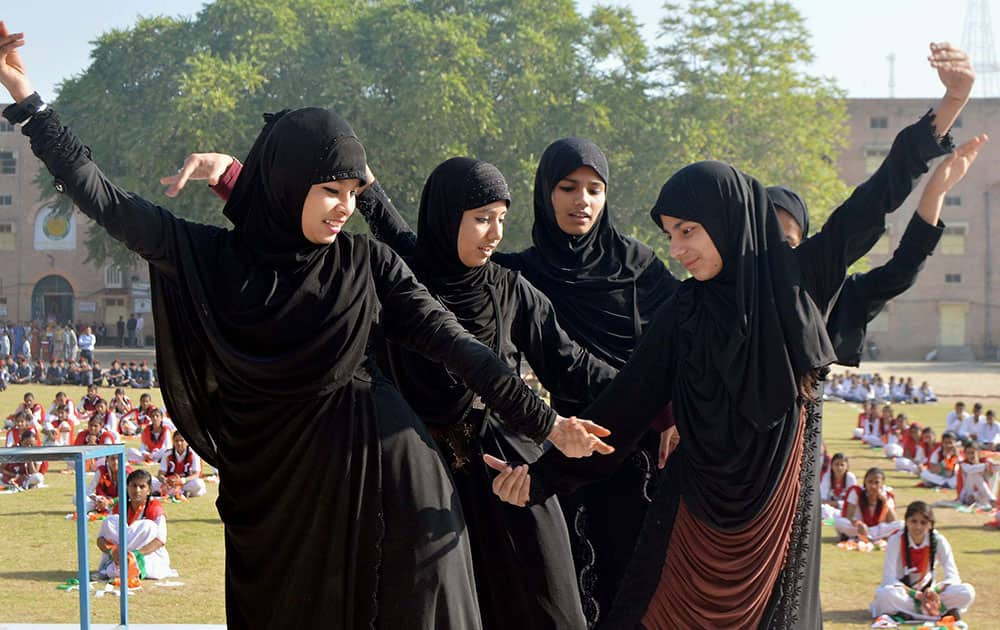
878,122
109,302
8,163
952,200
874,157
113,278
6,200
953,240
7,237
952,278
5,127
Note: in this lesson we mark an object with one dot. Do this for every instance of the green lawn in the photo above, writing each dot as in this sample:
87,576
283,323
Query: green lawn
39,550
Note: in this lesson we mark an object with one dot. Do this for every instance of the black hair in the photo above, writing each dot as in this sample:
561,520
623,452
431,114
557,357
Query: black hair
923,509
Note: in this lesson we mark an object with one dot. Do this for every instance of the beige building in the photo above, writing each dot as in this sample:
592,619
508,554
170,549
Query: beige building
43,270
954,307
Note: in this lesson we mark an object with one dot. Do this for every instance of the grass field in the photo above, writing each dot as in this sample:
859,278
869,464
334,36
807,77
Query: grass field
39,546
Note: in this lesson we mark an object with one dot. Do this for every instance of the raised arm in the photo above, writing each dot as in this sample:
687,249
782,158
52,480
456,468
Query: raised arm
414,319
573,375
142,226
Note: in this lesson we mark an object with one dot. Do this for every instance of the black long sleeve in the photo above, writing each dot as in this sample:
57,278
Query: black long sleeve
627,407
414,319
567,370
142,226
856,225
385,222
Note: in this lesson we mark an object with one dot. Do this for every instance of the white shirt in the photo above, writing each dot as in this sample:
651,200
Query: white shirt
86,341
881,391
953,422
971,425
989,433
826,485
945,569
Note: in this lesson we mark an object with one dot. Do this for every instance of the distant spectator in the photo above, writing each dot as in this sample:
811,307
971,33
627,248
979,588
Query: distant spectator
120,327
140,325
130,327
87,343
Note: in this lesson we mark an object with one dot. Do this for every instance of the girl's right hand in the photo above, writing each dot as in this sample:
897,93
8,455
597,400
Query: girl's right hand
512,485
197,166
13,75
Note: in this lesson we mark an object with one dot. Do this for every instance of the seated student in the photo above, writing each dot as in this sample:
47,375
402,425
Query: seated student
130,371
942,466
898,427
970,426
833,486
24,475
843,389
955,418
156,440
910,391
94,434
88,403
34,409
97,373
874,430
869,512
63,400
120,403
38,373
867,412
881,391
926,394
145,536
977,478
116,375
103,488
913,455
84,374
109,419
989,434
142,377
919,577
53,375
21,424
121,406
22,375
180,472
59,429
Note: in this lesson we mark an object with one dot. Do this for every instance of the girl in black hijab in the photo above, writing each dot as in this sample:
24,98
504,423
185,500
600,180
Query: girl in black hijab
460,223
271,320
736,351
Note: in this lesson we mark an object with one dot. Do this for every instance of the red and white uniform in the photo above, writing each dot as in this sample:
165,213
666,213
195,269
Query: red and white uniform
977,483
104,437
871,514
89,404
144,525
14,436
186,464
102,484
893,596
832,490
942,470
154,445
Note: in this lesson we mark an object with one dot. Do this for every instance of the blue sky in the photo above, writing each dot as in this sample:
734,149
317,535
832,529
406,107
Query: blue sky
851,38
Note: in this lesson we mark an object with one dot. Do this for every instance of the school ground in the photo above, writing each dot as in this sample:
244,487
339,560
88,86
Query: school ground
38,553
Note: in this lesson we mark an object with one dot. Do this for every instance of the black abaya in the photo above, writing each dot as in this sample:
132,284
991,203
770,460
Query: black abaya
262,352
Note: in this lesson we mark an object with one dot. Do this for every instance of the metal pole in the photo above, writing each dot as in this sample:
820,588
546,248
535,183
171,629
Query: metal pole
81,542
988,337
122,540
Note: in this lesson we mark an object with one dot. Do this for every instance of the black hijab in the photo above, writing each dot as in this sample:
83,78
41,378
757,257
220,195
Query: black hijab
259,310
456,185
594,279
790,201
772,333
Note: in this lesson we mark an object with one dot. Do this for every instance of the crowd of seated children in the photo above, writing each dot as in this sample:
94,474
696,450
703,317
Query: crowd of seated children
860,388
145,534
920,579
869,511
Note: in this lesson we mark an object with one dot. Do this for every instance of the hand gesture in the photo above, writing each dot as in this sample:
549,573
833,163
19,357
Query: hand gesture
512,485
13,75
931,602
953,167
579,438
954,69
197,166
669,440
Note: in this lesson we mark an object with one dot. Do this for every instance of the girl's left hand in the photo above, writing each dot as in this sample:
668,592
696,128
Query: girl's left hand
13,75
932,601
512,485
954,69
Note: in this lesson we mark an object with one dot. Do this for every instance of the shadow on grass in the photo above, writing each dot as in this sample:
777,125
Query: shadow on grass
847,616
986,552
42,576
210,521
62,513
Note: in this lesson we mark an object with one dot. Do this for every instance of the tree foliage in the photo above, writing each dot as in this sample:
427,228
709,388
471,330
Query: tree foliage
424,80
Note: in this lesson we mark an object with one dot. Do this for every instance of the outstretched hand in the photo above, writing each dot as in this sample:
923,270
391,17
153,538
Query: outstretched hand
13,75
953,167
197,166
512,485
669,440
954,68
579,438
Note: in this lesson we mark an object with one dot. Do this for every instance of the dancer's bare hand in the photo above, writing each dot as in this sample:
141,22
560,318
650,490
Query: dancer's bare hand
579,438
197,166
512,485
953,167
13,75
669,440
954,68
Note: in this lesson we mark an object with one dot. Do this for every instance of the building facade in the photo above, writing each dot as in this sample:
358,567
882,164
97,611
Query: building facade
954,308
44,276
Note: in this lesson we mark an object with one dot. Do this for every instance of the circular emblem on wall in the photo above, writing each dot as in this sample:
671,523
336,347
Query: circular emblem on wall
56,226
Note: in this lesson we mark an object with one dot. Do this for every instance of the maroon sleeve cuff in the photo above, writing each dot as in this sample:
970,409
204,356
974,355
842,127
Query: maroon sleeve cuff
228,180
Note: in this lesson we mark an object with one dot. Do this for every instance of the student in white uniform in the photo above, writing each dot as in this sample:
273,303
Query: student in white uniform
834,485
869,511
955,418
920,579
971,426
146,533
977,479
942,466
180,471
989,434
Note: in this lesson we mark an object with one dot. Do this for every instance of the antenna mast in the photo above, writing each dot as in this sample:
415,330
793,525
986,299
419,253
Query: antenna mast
977,40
